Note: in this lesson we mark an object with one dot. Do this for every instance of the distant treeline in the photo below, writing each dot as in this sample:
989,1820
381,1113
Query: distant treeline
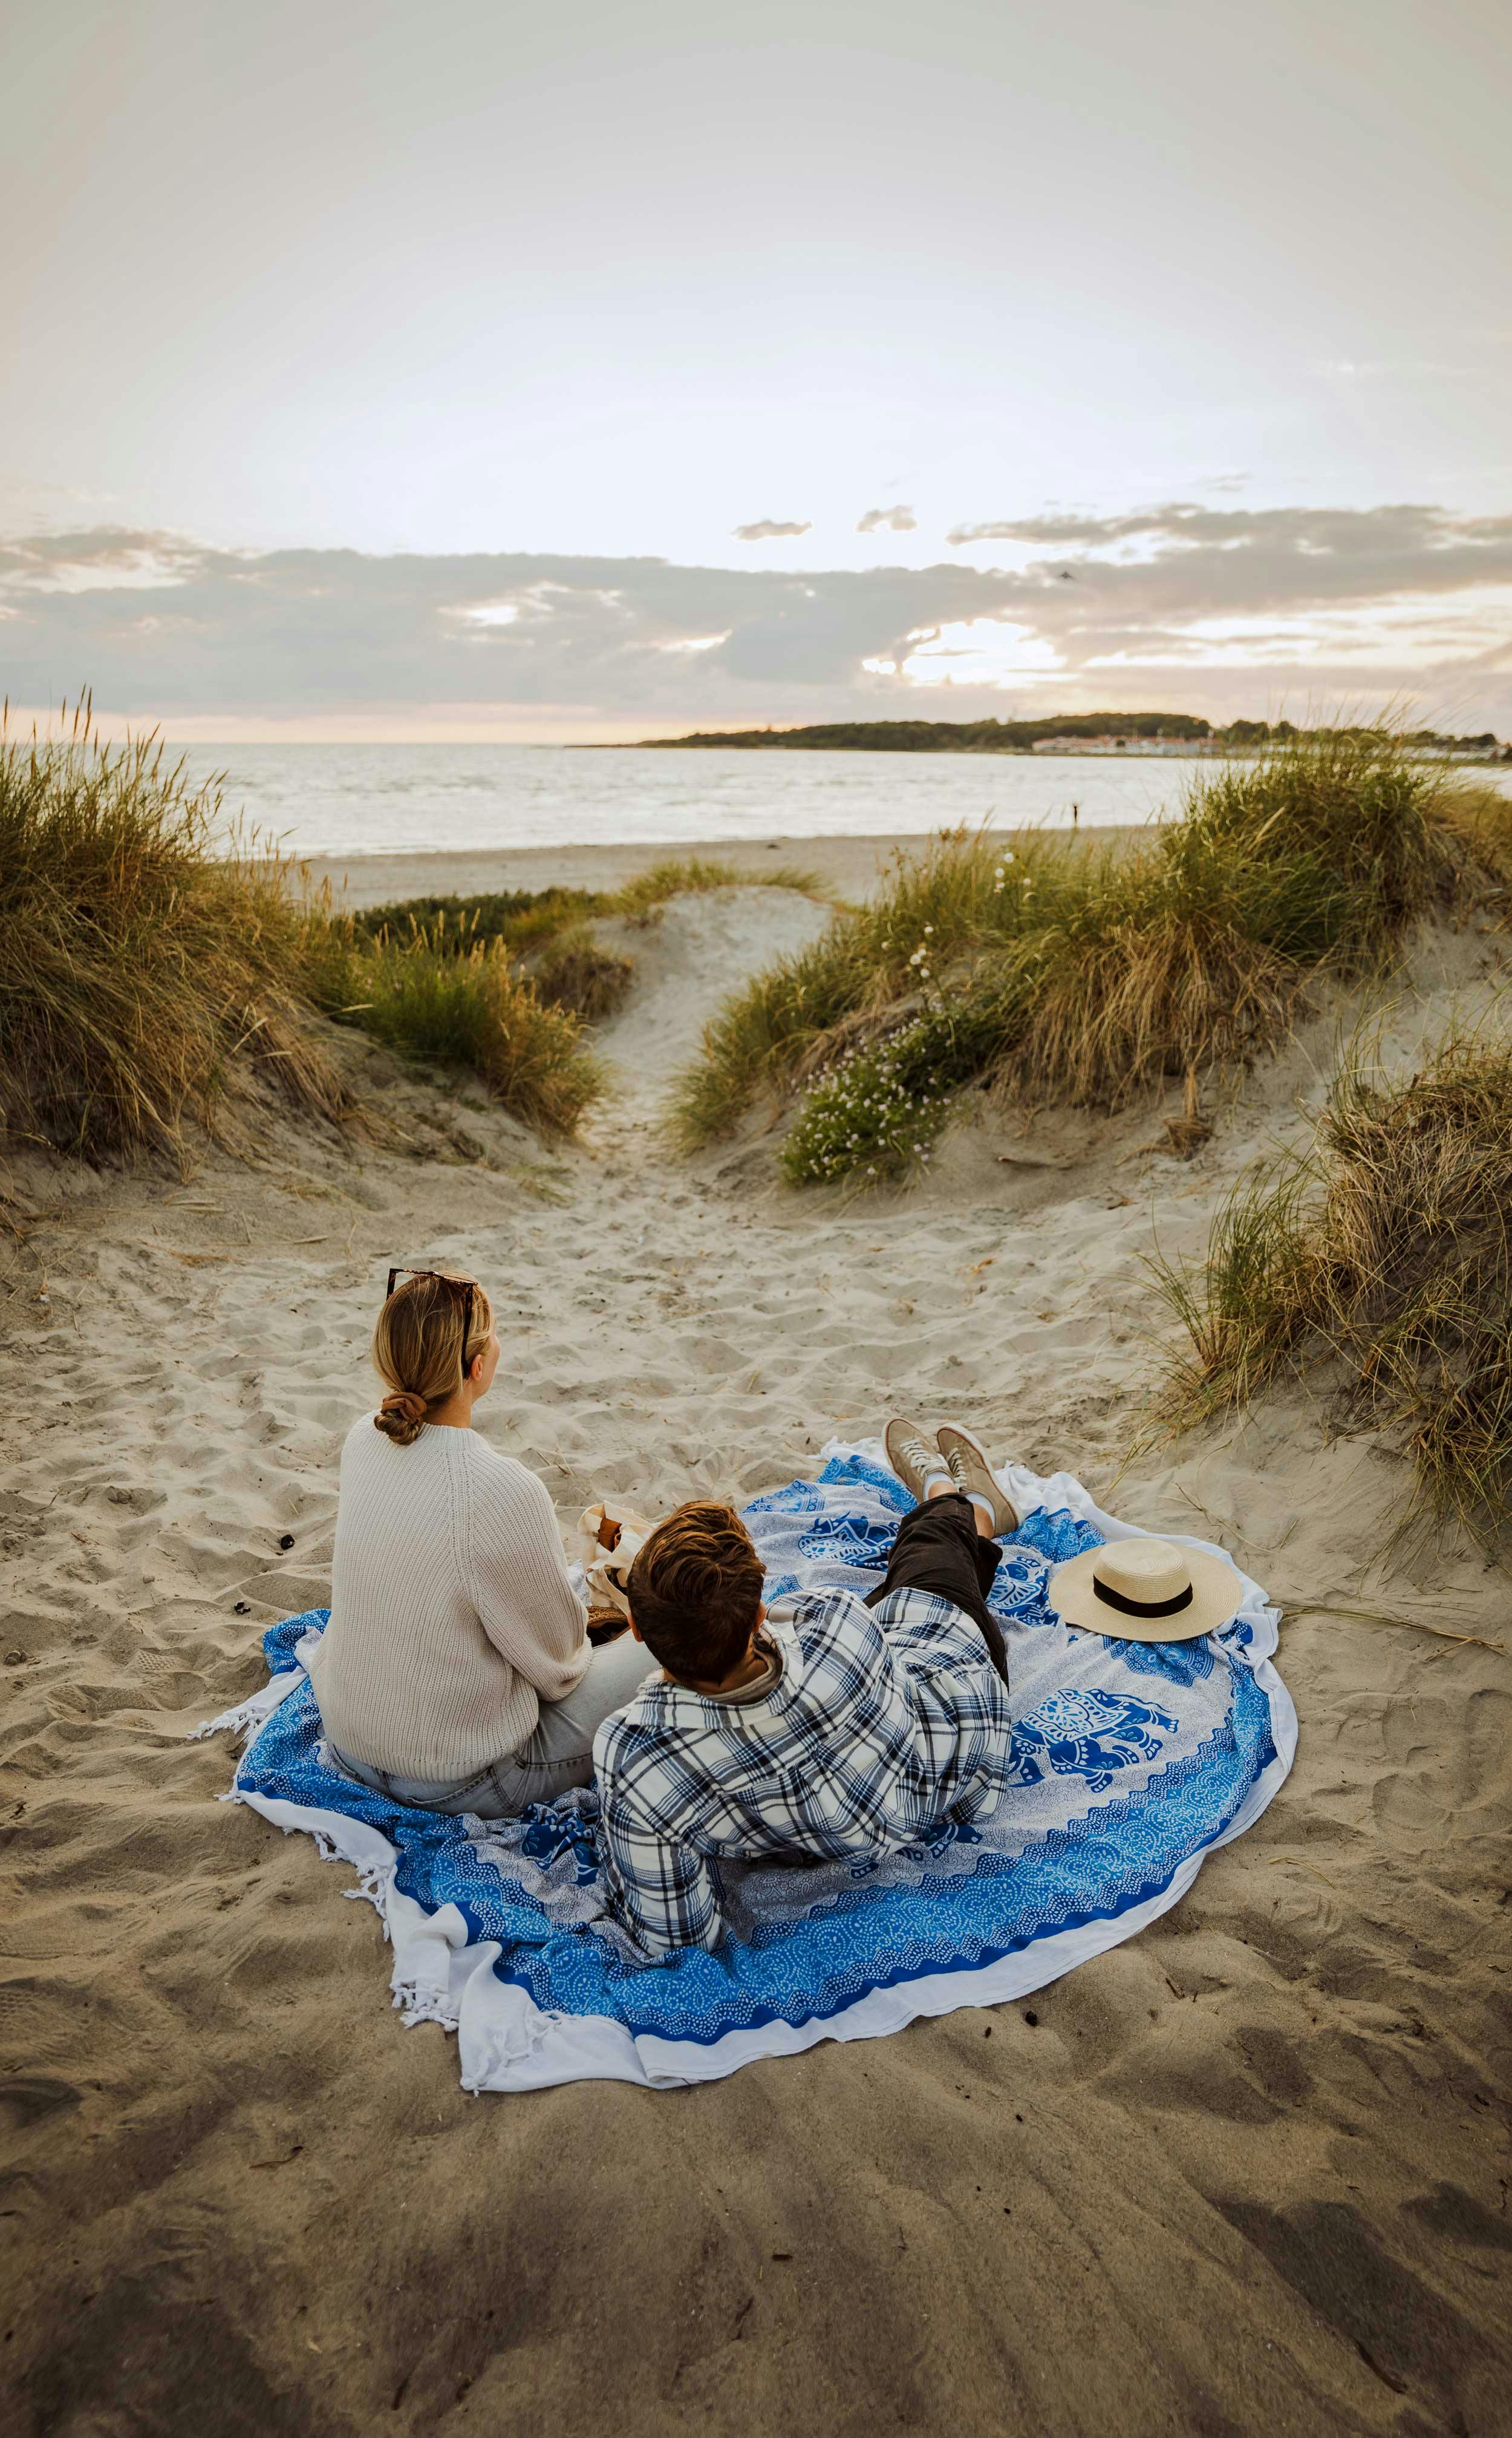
1022,735
955,735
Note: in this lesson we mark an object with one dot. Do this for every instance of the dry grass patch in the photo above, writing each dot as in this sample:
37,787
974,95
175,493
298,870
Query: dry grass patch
1065,969
547,929
143,975
1382,1259
451,1004
148,977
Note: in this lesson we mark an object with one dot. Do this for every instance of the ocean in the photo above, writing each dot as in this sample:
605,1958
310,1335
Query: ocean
345,800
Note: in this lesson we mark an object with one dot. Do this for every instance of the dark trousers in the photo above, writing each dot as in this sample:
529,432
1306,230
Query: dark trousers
940,1549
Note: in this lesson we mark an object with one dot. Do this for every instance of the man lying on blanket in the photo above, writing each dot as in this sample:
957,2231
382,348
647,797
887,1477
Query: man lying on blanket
831,1728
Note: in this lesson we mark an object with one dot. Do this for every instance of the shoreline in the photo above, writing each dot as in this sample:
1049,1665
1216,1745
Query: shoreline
846,867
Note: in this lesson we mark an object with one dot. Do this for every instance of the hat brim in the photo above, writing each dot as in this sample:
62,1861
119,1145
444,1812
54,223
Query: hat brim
1217,1592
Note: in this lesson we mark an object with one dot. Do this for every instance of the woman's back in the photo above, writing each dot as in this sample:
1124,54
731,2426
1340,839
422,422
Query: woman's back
451,1612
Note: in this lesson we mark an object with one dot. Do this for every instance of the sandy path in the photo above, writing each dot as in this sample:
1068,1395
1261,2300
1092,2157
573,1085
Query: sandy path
1249,2172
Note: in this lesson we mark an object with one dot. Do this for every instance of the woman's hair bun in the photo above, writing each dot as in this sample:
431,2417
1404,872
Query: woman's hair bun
399,1417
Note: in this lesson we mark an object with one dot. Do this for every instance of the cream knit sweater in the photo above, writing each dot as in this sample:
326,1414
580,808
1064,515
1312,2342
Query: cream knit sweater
452,1617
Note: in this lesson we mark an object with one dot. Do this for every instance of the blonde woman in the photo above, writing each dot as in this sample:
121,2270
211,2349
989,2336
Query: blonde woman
456,1673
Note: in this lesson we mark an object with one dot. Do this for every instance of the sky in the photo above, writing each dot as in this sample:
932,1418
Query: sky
470,369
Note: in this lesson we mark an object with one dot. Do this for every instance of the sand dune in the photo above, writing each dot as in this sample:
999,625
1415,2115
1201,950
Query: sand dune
1248,2172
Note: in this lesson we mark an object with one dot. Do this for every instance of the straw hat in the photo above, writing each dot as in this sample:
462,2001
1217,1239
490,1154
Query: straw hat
1145,1591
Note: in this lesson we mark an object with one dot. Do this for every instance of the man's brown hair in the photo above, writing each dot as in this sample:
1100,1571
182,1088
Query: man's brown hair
696,1591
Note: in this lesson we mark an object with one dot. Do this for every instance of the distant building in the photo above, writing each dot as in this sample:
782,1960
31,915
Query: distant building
1167,747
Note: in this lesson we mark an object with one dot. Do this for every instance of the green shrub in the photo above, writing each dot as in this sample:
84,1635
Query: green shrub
870,959
867,1115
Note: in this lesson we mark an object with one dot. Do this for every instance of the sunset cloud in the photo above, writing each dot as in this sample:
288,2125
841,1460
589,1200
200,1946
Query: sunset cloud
1219,610
770,529
889,520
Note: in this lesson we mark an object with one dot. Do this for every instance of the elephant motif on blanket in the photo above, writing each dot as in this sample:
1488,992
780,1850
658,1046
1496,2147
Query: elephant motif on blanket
1090,1735
551,1835
848,1540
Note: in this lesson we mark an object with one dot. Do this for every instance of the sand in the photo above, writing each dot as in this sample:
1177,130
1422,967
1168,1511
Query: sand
1249,2172
846,866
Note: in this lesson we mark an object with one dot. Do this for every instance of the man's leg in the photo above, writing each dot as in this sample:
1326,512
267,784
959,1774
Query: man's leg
942,1548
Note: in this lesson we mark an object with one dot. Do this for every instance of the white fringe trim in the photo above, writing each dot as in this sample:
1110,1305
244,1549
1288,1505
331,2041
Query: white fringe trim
245,1718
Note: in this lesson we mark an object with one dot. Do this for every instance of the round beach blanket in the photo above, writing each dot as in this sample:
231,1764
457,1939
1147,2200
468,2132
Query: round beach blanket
1132,1760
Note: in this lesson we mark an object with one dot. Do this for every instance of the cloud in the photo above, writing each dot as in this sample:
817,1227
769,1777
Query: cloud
1213,608
1380,544
889,520
770,529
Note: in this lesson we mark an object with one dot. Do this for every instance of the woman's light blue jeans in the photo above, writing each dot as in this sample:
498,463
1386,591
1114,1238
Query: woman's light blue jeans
559,1755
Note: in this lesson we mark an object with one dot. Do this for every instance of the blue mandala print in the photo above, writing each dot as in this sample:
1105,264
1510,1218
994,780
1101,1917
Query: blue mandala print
1183,1663
808,1941
1087,1734
798,1498
1018,1587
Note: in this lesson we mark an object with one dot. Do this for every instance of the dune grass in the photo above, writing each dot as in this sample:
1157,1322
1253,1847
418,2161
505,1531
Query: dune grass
577,974
436,978
1064,968
446,1002
520,918
142,973
148,978
526,919
1379,1263
547,928
567,967
694,875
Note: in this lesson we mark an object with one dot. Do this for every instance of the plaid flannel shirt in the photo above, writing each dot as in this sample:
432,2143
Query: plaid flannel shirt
883,1722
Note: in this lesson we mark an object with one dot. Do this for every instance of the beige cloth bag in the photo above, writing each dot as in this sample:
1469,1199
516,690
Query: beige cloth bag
608,1537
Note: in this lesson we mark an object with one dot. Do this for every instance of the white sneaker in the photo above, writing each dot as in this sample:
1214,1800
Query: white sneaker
970,1468
914,1457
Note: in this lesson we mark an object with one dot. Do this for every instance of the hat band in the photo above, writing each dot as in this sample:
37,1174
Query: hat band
1141,1608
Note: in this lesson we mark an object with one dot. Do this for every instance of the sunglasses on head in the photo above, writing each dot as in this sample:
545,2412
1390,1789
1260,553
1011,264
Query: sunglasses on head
462,1286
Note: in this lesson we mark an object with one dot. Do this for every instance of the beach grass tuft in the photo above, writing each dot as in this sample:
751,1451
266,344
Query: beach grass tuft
522,919
146,975
586,979
143,972
446,1002
529,919
1379,1263
1058,968
693,876
547,928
